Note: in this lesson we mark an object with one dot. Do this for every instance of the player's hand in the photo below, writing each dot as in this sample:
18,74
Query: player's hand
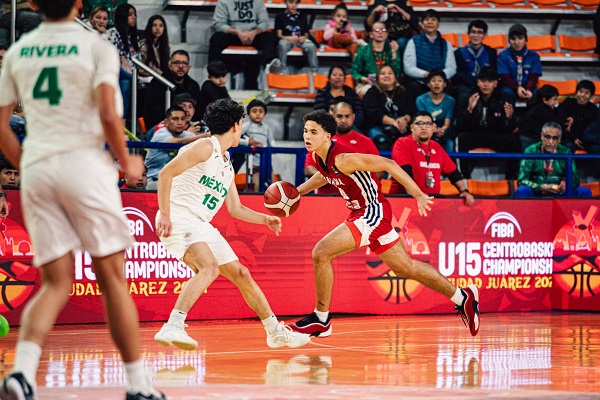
274,224
469,199
135,167
3,207
163,225
424,202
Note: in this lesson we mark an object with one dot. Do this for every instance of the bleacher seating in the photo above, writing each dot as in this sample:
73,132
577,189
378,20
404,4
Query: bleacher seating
489,188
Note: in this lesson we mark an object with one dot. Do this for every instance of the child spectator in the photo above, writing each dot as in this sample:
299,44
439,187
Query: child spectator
339,32
519,68
541,111
154,47
441,108
292,30
256,130
214,87
576,114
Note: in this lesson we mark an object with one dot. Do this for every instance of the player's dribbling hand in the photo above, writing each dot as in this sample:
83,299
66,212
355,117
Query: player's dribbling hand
274,224
135,167
163,225
424,202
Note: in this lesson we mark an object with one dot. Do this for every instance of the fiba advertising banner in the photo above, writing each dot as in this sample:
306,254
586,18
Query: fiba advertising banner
508,248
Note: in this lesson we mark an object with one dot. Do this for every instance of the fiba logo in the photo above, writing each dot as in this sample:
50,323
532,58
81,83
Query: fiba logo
502,225
389,286
576,260
17,278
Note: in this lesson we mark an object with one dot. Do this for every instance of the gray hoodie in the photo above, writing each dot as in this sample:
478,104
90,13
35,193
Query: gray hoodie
240,14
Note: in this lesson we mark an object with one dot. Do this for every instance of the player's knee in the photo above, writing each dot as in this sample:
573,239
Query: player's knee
320,255
242,274
209,269
404,268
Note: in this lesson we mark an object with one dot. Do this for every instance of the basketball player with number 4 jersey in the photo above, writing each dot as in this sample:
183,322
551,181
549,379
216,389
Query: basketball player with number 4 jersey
68,81
369,224
191,189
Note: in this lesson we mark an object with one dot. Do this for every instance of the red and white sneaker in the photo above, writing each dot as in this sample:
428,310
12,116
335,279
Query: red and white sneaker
469,310
313,326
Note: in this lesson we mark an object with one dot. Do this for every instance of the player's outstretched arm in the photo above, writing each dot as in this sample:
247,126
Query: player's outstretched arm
315,182
9,144
347,163
239,211
200,152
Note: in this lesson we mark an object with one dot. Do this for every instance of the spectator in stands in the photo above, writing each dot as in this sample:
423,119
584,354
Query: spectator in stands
173,132
345,119
214,88
339,32
98,20
519,67
441,108
425,52
471,58
335,88
188,104
27,20
388,109
547,177
576,114
425,161
154,47
371,57
110,5
135,184
125,38
292,30
400,20
244,26
486,119
542,110
9,175
254,128
177,73
591,139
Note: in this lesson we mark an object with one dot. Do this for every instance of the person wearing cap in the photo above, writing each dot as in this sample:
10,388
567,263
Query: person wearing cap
519,67
214,88
471,58
188,104
576,114
486,119
425,52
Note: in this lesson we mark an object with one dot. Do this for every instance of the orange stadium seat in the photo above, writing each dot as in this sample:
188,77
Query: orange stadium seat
423,3
467,3
576,46
290,83
386,185
594,187
585,4
318,34
541,43
565,88
452,38
497,41
447,188
488,188
511,3
550,4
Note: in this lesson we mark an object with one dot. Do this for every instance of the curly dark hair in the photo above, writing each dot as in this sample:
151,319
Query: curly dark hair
55,9
221,115
324,119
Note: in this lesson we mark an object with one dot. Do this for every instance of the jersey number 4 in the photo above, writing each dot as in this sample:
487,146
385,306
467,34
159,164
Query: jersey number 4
46,86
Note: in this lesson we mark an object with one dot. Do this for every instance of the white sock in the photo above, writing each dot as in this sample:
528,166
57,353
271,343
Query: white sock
322,315
458,298
137,380
177,317
27,358
270,323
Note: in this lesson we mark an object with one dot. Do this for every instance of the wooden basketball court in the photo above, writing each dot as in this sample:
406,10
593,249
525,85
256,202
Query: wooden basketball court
515,356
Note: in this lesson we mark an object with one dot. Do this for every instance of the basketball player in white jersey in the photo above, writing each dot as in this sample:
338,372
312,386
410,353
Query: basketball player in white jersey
191,189
68,81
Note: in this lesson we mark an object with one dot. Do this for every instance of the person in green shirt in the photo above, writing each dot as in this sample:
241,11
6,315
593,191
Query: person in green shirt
546,177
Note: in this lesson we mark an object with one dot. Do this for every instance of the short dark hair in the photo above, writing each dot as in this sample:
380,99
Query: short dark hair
172,109
256,103
584,84
221,115
333,68
478,23
436,72
422,113
216,69
487,74
324,119
431,13
55,9
547,92
180,53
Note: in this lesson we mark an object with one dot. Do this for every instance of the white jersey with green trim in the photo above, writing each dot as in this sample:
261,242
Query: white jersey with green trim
202,188
55,71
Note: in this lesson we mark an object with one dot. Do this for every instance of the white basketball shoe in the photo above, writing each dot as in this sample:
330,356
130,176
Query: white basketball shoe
285,336
175,334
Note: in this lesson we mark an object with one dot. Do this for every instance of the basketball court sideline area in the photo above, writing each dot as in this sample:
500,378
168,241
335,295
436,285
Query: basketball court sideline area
515,356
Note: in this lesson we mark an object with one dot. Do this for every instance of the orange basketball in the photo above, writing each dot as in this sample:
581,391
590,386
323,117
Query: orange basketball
282,199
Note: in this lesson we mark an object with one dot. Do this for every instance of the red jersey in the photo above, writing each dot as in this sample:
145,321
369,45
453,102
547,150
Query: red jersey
422,158
361,189
353,140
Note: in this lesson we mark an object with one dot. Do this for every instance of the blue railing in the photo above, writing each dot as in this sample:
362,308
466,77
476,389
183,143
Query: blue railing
266,165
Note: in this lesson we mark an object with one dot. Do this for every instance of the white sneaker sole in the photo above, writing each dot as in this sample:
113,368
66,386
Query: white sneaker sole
185,345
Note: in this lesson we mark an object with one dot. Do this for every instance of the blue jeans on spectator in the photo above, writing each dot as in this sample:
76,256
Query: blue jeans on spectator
308,48
581,192
125,79
381,140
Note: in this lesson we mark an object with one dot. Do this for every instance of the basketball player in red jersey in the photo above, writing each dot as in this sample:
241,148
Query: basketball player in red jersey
369,224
